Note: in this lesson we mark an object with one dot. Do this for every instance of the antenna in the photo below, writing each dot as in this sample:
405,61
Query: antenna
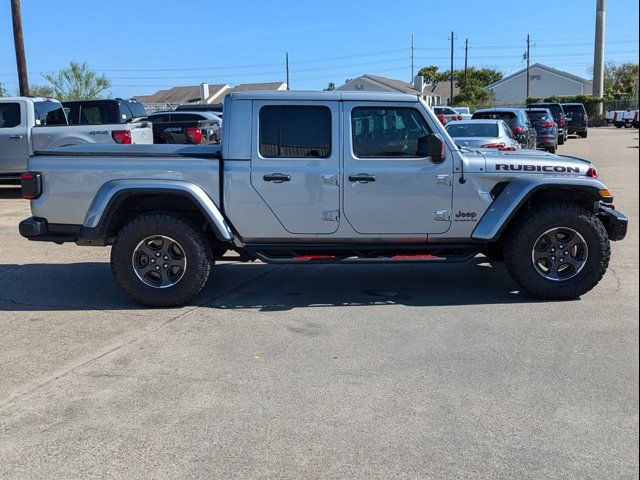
287,66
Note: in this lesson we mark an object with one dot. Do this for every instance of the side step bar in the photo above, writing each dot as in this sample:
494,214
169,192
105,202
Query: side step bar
331,254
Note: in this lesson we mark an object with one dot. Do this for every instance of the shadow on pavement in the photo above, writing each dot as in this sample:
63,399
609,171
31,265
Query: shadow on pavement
90,286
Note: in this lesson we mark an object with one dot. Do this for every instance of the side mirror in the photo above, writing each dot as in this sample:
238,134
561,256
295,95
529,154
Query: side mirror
431,146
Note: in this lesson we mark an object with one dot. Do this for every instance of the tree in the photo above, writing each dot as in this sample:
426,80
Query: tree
331,87
77,82
474,95
432,76
3,91
621,80
41,91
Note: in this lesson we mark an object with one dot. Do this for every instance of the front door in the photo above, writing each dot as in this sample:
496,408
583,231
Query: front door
388,187
14,141
295,163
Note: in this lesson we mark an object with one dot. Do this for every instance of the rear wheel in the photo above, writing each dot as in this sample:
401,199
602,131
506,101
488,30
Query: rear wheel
561,140
161,260
552,149
584,134
557,251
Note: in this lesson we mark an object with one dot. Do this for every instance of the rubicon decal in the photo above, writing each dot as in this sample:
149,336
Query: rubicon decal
537,168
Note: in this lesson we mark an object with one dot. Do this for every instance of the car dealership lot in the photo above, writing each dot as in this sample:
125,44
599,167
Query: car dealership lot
417,371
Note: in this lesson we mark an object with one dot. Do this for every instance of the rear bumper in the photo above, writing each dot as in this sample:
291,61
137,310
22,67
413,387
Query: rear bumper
38,229
576,129
615,222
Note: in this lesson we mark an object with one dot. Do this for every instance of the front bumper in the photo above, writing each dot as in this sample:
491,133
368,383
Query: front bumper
615,222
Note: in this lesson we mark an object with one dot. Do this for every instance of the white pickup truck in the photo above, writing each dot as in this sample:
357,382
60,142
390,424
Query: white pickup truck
29,125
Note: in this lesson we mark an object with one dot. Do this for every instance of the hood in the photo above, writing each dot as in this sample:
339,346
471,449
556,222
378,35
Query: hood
534,161
476,142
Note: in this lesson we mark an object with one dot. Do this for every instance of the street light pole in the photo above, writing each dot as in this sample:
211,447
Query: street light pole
598,55
18,41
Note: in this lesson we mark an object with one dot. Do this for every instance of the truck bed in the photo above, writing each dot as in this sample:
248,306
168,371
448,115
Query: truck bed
73,176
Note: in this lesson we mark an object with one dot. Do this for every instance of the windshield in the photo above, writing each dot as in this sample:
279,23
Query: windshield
137,109
509,117
463,110
459,130
574,110
539,117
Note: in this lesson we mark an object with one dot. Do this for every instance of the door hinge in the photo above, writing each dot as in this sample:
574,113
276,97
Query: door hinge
331,216
442,216
331,180
443,180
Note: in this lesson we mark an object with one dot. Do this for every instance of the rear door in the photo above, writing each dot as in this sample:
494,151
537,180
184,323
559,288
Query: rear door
295,163
388,187
14,137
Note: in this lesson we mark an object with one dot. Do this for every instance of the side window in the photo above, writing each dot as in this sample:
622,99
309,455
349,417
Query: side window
387,132
125,112
295,132
9,115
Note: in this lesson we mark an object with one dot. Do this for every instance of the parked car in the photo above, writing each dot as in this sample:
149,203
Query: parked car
303,178
464,112
29,125
200,128
104,112
577,119
483,134
449,113
559,117
546,128
517,120
625,118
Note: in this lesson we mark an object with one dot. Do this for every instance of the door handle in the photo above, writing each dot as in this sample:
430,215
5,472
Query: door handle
277,178
362,178
16,137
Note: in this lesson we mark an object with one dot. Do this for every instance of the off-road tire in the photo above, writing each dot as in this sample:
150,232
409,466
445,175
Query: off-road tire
197,251
521,237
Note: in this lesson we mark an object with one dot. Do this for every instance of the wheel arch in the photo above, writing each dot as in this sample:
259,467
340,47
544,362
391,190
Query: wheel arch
117,201
519,195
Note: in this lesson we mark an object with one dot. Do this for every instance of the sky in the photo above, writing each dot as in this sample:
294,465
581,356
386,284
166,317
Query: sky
146,45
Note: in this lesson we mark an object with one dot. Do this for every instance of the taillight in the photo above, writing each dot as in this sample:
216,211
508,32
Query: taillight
561,120
195,134
442,118
122,137
518,129
456,118
507,149
31,183
493,145
592,172
547,125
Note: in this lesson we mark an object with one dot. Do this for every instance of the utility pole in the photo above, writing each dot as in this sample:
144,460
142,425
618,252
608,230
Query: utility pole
287,66
452,74
466,58
413,58
528,66
598,55
18,41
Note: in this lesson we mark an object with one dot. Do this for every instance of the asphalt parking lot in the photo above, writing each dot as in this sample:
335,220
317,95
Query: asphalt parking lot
327,372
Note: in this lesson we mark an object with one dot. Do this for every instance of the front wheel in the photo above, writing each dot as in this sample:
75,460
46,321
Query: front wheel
557,251
161,260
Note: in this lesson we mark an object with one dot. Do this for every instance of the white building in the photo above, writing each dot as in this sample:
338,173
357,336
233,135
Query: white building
433,94
544,82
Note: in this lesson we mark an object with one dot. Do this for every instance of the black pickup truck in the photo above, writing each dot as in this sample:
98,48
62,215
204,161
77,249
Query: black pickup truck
195,128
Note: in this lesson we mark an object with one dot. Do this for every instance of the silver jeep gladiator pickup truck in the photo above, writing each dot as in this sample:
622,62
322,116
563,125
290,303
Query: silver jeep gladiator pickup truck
323,177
